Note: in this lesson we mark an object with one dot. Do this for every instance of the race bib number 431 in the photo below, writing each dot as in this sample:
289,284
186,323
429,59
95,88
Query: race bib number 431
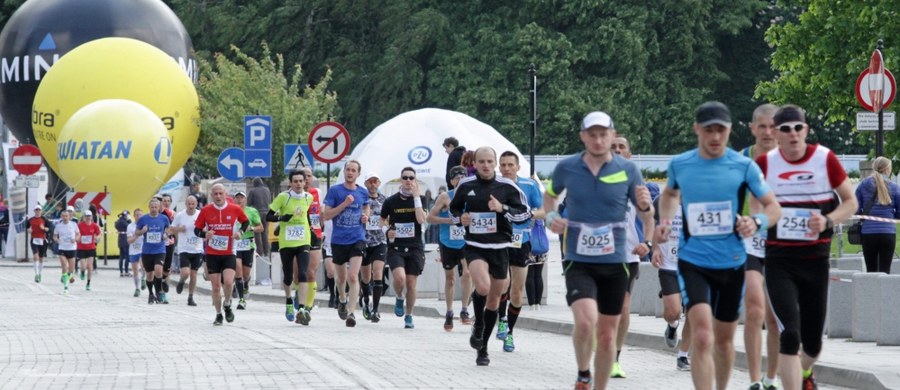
710,218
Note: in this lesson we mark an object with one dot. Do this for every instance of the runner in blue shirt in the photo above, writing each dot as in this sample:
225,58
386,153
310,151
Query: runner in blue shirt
599,184
347,206
710,183
154,227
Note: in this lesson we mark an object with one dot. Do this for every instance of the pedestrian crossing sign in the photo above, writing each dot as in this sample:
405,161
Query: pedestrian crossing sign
297,156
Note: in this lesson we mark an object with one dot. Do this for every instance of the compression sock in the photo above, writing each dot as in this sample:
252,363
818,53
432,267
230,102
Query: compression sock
478,302
312,287
513,317
239,285
490,318
377,287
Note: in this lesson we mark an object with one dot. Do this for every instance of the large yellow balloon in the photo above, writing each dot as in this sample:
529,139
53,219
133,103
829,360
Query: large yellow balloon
115,144
117,68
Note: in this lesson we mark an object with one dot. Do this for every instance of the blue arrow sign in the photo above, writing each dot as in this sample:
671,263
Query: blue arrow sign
297,156
258,132
231,164
258,163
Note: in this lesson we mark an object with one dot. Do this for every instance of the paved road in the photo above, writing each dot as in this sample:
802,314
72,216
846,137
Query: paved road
106,338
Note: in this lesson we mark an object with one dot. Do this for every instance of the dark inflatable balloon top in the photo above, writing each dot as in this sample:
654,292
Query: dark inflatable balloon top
42,31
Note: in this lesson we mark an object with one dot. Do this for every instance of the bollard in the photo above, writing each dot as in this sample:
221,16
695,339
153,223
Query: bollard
277,273
866,306
851,264
889,329
840,302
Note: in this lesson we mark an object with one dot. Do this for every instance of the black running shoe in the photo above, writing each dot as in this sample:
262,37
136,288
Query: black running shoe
229,314
476,340
191,301
179,287
218,321
482,359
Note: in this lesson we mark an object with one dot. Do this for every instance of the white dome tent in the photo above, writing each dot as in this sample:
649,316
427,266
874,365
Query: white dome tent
415,139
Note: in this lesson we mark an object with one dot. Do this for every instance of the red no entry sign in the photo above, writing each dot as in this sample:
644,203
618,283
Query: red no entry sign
27,159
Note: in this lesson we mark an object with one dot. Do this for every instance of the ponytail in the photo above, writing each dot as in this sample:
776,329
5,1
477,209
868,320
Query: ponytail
882,166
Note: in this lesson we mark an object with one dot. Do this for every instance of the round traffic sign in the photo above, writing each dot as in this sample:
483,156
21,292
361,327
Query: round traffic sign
329,142
864,94
27,159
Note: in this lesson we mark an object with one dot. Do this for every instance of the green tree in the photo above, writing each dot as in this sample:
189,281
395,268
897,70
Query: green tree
818,57
247,86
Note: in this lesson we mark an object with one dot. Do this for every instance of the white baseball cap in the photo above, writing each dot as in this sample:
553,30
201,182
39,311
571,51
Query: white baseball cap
371,175
87,213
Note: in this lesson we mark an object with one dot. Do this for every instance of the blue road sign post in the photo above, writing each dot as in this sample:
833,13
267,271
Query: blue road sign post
257,146
297,156
231,164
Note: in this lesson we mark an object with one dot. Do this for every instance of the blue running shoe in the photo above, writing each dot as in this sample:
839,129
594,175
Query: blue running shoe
289,313
399,308
408,322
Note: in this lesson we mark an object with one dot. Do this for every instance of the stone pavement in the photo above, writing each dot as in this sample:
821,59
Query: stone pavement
106,338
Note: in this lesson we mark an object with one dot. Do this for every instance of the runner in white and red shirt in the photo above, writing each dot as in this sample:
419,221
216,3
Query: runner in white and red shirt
216,224
87,245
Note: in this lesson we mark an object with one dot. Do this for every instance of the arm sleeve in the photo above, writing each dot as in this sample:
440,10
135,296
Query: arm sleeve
271,217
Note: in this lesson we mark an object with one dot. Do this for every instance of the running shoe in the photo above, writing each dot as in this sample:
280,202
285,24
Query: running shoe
671,336
476,340
755,386
242,304
810,383
375,317
683,364
137,292
342,310
229,315
616,371
289,312
583,383
191,301
399,308
464,318
365,310
408,322
82,275
164,299
87,287
218,321
448,321
502,330
37,278
303,317
143,284
71,278
508,344
482,359
179,287
769,387
351,320
66,290
151,299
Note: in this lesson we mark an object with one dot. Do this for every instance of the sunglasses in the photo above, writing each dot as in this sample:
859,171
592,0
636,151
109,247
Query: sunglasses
787,129
408,177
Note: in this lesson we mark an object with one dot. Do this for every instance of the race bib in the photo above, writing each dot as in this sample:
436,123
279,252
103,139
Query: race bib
295,233
154,237
219,243
405,230
755,245
483,223
595,241
136,247
194,242
710,218
457,233
374,223
794,224
517,237
37,241
315,221
87,239
242,245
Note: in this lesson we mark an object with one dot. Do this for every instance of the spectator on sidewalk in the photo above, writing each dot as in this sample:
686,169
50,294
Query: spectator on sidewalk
878,196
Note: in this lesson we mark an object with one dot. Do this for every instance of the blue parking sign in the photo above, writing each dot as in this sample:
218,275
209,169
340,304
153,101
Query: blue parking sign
258,132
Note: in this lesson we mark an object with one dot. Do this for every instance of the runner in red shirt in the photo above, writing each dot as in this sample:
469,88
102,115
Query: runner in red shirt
315,248
39,228
87,245
216,223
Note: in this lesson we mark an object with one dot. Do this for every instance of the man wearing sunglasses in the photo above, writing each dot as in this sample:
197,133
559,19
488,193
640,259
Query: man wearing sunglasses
404,215
756,307
487,205
805,178
709,183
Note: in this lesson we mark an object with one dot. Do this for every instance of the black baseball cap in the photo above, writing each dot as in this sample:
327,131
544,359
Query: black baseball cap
789,113
713,113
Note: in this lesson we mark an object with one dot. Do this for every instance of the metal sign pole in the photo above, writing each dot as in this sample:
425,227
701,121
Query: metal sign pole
105,237
533,73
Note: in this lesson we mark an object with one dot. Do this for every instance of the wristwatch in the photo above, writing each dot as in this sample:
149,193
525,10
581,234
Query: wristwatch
505,208
828,223
758,223
649,244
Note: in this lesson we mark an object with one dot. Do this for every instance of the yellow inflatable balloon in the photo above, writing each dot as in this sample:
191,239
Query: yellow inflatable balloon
117,68
117,144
